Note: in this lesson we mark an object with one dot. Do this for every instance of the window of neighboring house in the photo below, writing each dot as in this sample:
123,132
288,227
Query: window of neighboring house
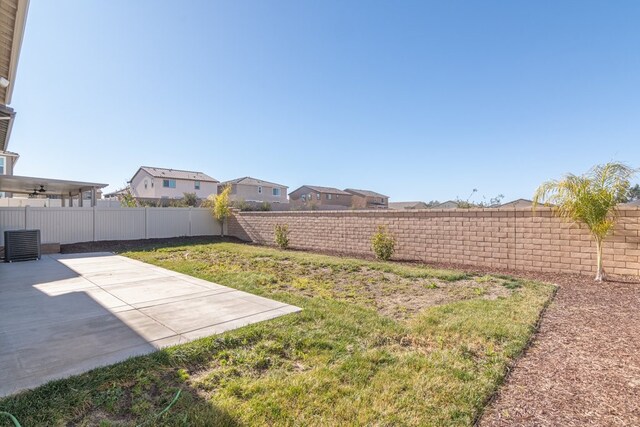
276,192
260,189
169,183
328,196
318,196
196,185
145,184
2,165
337,196
304,198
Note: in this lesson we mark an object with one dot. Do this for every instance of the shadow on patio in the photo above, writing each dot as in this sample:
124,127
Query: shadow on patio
68,314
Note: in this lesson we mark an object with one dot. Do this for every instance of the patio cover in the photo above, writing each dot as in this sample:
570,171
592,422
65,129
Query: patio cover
52,187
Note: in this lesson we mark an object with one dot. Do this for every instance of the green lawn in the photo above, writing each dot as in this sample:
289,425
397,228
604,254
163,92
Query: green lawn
375,344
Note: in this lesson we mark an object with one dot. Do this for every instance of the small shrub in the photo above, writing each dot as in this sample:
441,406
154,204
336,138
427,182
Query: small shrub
282,235
383,243
127,200
190,200
242,206
220,206
265,207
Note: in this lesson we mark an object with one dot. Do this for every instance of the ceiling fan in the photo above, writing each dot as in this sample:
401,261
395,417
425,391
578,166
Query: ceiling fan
37,191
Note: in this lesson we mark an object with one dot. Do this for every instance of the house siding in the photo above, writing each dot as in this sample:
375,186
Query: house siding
157,191
9,162
249,193
337,201
369,202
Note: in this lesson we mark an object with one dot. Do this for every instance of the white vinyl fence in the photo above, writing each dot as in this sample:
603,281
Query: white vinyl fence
73,225
20,202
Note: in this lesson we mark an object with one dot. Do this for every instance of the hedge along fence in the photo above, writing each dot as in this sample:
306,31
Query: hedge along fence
74,225
499,238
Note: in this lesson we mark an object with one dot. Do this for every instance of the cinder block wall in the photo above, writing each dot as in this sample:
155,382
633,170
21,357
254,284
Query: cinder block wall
499,238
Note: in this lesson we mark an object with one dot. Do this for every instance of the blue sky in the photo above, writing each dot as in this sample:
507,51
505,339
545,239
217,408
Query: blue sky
418,100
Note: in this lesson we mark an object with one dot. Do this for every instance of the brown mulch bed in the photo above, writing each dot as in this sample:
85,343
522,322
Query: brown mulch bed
583,367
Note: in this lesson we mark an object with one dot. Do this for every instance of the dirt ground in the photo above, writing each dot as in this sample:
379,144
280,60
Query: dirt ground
125,245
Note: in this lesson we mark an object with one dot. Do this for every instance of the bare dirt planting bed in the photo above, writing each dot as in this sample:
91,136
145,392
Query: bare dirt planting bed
390,293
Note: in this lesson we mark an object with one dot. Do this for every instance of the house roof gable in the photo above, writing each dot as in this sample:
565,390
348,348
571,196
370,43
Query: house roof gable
321,190
175,174
365,193
247,180
406,205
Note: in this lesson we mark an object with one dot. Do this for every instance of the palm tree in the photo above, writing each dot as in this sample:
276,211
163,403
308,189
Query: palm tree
589,199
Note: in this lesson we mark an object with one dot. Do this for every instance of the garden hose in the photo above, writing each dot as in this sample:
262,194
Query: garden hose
11,417
158,415
161,413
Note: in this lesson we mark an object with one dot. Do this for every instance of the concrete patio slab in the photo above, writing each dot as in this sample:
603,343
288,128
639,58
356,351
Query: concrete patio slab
67,314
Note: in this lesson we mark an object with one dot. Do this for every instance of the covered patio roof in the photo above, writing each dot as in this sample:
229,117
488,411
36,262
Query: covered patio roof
27,184
13,15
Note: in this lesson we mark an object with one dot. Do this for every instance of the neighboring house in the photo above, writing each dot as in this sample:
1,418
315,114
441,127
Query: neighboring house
450,204
8,160
518,203
13,16
322,198
115,195
407,205
366,199
150,183
255,191
633,203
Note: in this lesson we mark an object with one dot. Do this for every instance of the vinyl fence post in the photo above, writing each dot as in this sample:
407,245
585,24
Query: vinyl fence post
146,222
26,217
190,222
94,223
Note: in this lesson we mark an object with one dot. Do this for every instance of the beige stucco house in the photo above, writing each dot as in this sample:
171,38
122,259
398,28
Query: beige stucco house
255,191
407,205
321,198
449,204
8,160
367,199
518,203
151,183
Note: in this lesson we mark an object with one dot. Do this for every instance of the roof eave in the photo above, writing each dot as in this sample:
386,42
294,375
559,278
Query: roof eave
18,35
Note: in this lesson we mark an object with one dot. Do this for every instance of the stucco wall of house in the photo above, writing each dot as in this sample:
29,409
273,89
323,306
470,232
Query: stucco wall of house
364,202
9,165
517,239
320,200
155,190
244,192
